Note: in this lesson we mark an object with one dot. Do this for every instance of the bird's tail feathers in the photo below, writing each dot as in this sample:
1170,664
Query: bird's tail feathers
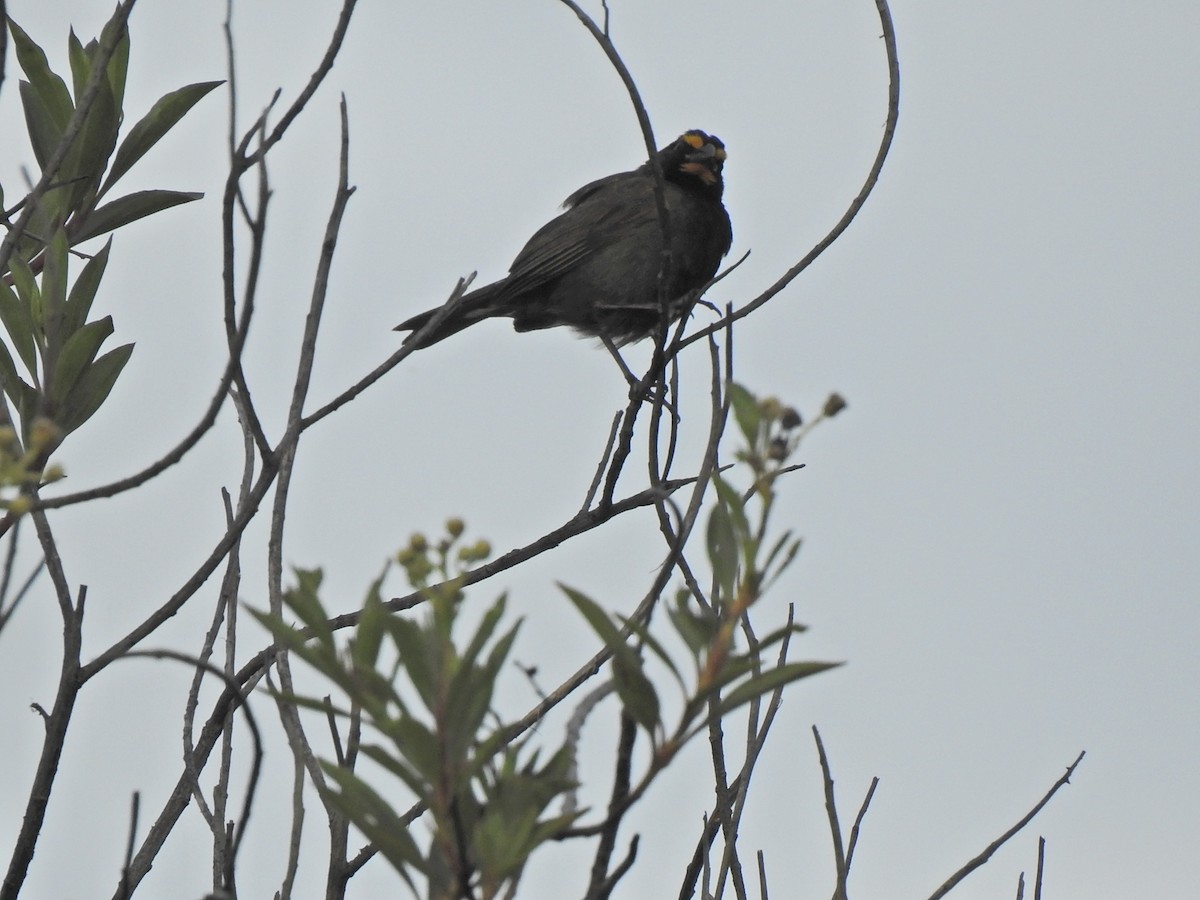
472,308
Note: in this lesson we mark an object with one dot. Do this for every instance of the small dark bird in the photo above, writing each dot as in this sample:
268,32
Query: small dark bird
596,266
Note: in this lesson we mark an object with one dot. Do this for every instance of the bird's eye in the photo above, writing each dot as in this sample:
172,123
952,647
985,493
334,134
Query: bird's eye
694,140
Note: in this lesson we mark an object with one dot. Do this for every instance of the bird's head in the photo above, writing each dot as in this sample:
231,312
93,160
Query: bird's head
695,159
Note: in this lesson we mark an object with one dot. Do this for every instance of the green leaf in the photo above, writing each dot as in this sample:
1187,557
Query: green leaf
375,818
636,691
368,636
44,132
118,64
779,546
54,291
419,746
722,550
128,209
83,292
162,117
303,598
596,617
18,391
81,63
746,411
485,630
412,646
77,354
88,158
316,704
399,768
14,314
768,681
118,68
732,501
696,628
29,292
648,640
469,697
93,388
774,637
50,89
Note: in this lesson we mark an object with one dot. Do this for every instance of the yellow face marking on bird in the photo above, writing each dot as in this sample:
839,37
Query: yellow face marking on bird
696,140
700,170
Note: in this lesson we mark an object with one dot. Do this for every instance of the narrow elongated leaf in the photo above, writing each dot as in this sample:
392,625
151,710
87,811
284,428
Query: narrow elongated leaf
77,354
648,640
118,68
14,386
162,117
81,63
778,546
303,598
323,659
54,290
376,819
412,645
14,314
85,164
732,501
746,412
723,549
368,636
128,209
419,746
118,65
470,695
696,628
93,388
636,691
596,617
83,291
399,768
30,294
44,132
768,681
50,88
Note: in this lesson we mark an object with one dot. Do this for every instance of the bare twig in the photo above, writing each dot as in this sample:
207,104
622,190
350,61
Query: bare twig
756,741
862,812
406,350
297,830
889,131
995,845
604,458
573,734
298,742
1041,868
600,885
6,613
55,722
699,860
835,829
618,873
247,511
124,890
238,828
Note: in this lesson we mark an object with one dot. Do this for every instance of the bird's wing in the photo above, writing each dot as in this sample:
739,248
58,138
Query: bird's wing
598,215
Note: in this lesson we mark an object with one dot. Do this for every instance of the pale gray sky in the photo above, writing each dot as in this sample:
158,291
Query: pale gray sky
1000,531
